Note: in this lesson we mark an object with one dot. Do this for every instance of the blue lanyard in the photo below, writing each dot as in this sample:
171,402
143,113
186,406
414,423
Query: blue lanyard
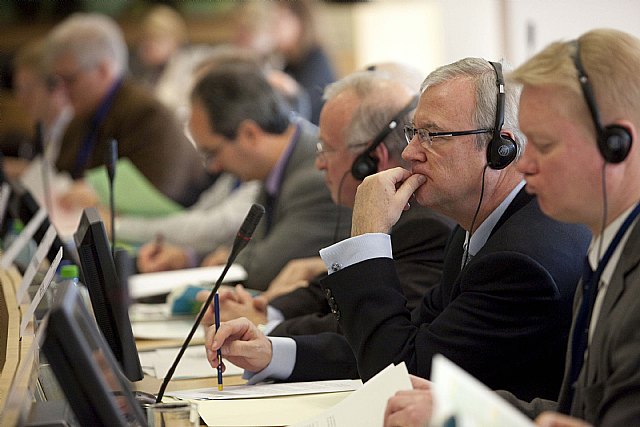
89,141
614,244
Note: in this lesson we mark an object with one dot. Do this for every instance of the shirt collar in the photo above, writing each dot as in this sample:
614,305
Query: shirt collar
606,237
274,179
482,233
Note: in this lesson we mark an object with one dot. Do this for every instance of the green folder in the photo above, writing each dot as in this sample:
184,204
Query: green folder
134,194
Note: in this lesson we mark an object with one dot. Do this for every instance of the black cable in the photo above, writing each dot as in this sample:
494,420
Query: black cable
475,215
605,209
339,208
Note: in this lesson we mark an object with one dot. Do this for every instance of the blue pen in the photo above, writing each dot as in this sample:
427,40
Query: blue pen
216,316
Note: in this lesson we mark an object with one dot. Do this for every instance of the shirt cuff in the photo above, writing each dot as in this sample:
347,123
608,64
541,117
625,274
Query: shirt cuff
274,318
283,360
356,249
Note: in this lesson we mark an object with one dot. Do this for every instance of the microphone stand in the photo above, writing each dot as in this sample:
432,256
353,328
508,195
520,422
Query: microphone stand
242,239
112,158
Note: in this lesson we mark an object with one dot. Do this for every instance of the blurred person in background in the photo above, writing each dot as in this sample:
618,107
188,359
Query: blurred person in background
87,54
285,33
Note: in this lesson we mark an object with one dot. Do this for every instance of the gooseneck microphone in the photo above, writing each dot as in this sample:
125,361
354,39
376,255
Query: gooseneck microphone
242,239
110,162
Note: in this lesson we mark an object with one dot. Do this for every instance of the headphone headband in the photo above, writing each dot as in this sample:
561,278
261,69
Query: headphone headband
501,150
393,123
587,89
614,141
365,165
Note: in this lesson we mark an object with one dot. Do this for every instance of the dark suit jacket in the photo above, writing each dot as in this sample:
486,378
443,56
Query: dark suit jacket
608,388
303,218
418,240
504,318
149,135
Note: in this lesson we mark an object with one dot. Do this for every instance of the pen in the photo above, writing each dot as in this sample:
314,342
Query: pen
157,245
216,319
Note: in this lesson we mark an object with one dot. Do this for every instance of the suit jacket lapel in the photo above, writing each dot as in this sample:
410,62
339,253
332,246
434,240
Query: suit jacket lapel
629,260
518,202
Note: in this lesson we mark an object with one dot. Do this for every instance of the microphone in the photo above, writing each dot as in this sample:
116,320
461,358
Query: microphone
110,161
242,239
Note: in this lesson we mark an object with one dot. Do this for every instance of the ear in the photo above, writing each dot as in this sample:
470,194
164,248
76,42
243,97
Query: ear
507,133
249,132
384,158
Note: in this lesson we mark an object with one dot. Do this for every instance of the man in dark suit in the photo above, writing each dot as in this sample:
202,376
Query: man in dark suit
502,311
241,125
87,54
359,129
580,110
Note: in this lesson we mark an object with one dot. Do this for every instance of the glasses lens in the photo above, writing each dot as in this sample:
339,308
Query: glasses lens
409,133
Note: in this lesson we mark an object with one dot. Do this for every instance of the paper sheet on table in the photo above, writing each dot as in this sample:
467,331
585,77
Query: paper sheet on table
269,390
134,193
193,364
269,411
166,330
366,406
65,220
149,284
471,402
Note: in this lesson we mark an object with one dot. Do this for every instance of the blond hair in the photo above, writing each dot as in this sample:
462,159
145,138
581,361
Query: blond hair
611,60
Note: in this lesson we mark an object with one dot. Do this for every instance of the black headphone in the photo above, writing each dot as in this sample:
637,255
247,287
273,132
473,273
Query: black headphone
614,141
502,149
365,164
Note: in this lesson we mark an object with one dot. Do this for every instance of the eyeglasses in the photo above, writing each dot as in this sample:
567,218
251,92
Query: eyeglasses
426,138
322,149
206,156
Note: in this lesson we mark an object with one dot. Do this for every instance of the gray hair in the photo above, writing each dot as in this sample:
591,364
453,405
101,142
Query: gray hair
381,99
483,75
90,38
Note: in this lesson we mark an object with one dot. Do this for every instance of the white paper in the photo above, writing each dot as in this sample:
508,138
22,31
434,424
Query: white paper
25,235
150,284
65,220
268,411
472,403
32,269
366,406
166,330
193,364
269,390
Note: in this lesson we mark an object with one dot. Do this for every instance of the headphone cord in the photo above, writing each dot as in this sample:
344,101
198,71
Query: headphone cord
339,208
605,209
475,216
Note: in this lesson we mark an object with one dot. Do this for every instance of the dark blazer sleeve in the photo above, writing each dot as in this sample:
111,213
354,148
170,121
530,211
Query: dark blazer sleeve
325,356
302,301
508,299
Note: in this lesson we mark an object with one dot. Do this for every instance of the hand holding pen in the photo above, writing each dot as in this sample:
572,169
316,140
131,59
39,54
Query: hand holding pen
216,315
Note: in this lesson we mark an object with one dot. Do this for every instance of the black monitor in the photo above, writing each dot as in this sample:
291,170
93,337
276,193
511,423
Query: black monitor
85,367
109,295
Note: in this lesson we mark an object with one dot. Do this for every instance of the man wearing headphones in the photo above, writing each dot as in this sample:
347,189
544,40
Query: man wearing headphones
580,109
501,311
361,133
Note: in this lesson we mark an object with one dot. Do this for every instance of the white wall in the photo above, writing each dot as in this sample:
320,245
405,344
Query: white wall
430,33
550,20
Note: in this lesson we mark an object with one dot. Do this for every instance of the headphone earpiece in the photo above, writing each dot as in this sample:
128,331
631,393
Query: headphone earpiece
501,152
614,141
365,164
502,149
